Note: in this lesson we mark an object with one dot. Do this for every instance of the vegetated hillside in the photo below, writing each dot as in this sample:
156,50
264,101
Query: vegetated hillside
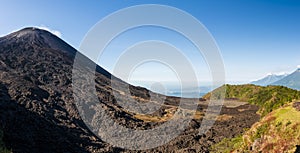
39,113
278,131
267,98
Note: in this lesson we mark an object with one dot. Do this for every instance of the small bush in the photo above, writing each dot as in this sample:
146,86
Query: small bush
288,123
261,130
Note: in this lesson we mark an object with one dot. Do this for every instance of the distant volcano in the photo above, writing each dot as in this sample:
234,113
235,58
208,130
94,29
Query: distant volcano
269,79
291,81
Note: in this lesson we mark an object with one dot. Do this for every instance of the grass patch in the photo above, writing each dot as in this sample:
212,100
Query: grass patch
169,114
150,118
287,114
227,145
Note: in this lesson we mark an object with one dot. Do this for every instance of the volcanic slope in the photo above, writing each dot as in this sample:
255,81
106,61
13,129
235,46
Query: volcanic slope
39,113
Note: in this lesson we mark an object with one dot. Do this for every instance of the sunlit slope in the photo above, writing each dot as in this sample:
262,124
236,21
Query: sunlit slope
267,98
278,131
279,128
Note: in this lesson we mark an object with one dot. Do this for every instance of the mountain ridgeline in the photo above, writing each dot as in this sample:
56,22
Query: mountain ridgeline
269,79
39,113
292,80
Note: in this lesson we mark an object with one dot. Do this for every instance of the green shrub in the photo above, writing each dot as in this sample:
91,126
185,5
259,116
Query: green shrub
261,130
288,123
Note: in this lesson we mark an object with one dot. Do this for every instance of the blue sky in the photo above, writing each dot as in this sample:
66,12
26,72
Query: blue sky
255,37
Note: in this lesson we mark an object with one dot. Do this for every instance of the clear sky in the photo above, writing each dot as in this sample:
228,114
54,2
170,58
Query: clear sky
255,37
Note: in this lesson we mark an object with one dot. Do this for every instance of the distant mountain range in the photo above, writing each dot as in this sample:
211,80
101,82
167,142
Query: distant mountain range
269,79
291,80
